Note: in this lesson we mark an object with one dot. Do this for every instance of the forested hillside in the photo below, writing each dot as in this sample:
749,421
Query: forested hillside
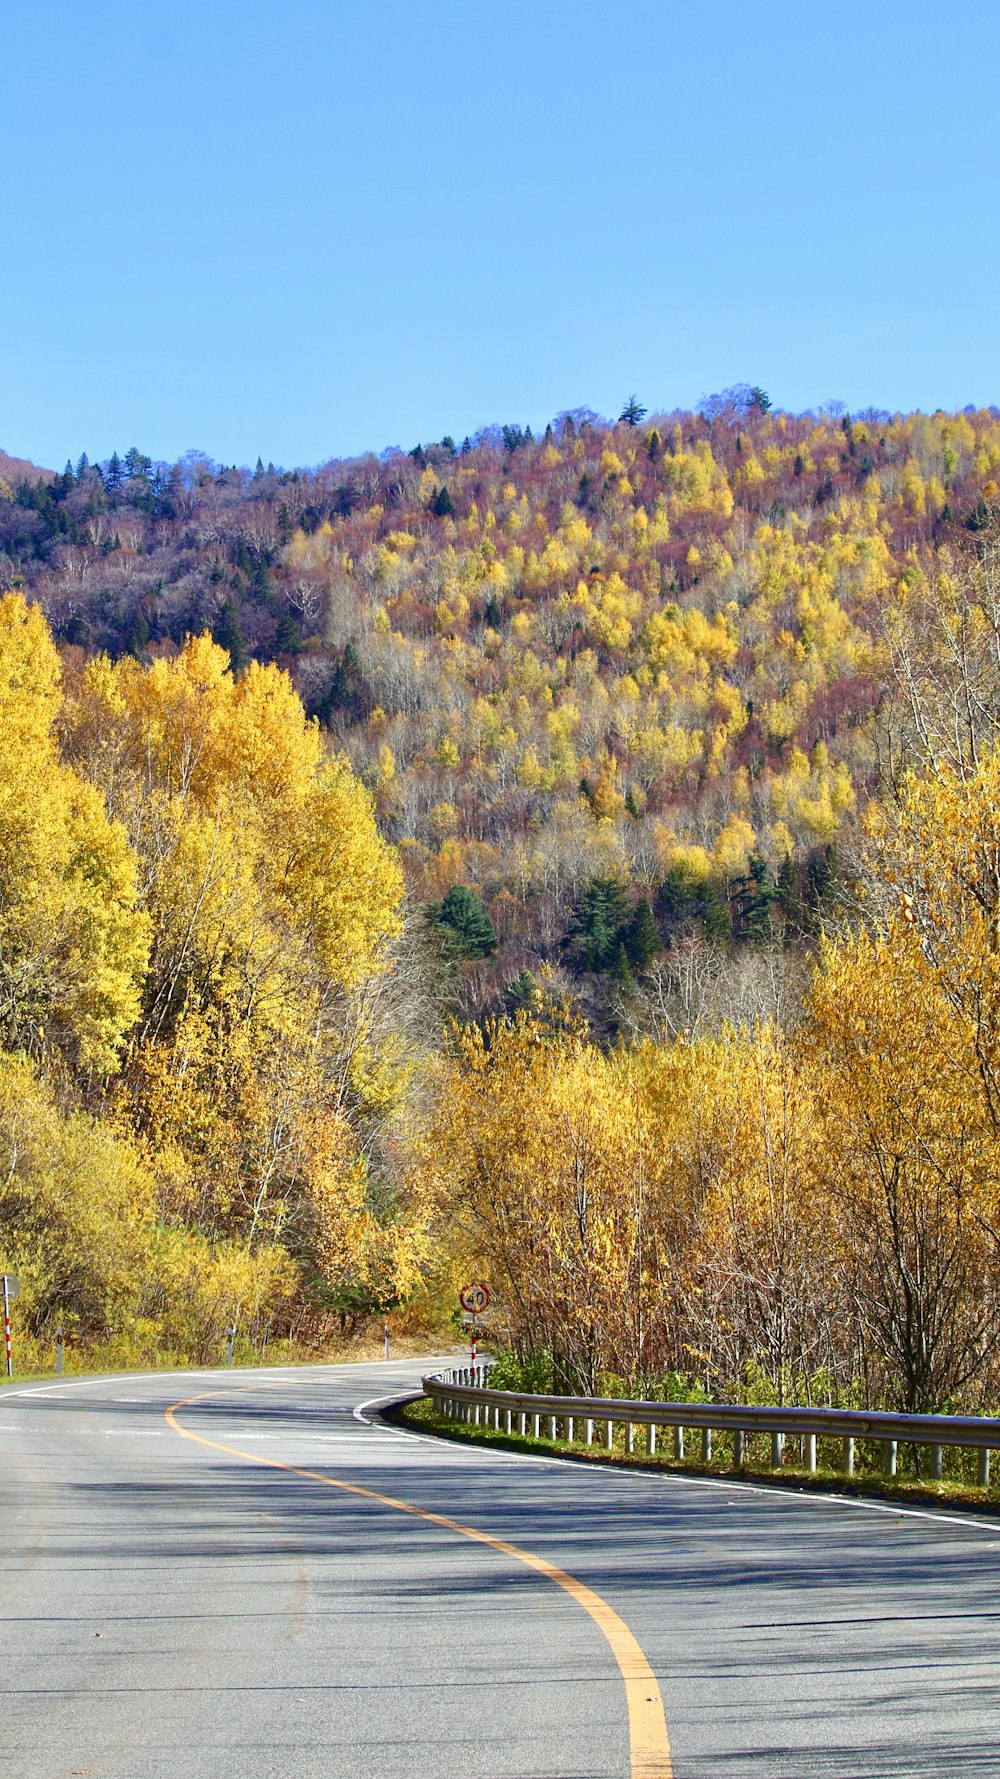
662,753
651,652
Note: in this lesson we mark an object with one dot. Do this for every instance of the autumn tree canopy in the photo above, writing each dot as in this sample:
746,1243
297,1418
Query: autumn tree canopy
196,904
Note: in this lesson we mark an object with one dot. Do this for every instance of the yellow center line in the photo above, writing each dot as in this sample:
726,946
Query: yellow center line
648,1742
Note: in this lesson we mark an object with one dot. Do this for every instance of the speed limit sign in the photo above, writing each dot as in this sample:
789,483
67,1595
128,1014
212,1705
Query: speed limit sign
475,1298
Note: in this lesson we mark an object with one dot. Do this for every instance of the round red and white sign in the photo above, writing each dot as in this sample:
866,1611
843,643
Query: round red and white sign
475,1298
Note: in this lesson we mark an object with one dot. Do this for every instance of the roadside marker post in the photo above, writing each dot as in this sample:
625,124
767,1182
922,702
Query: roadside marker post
59,1339
11,1287
474,1299
386,1333
230,1337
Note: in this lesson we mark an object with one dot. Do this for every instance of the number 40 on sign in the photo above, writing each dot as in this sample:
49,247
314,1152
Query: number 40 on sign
475,1298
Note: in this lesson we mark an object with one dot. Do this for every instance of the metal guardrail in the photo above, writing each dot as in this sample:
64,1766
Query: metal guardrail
459,1395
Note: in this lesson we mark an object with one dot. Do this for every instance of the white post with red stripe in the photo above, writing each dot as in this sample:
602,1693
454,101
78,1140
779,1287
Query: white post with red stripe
9,1291
474,1299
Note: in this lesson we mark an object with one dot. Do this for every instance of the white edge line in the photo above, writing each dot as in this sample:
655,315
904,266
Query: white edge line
803,1497
470,1445
783,1491
262,1373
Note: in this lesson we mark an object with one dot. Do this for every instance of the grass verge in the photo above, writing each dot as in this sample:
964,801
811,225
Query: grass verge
359,1349
421,1416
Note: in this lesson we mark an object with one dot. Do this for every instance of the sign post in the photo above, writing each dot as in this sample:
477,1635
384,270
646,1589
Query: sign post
11,1287
474,1299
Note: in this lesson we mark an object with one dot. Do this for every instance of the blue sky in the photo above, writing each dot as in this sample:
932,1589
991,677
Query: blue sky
311,228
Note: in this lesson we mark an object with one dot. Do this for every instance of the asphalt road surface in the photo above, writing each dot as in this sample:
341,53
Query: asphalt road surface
230,1610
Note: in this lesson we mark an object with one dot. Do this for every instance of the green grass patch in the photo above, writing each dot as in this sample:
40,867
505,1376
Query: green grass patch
950,1492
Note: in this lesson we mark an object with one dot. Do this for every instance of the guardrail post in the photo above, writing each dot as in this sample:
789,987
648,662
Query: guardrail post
590,1430
537,1427
739,1448
552,1426
611,1434
524,1423
847,1456
569,1429
510,1420
629,1437
810,1453
678,1442
706,1445
936,1466
983,1467
651,1439
777,1449
890,1452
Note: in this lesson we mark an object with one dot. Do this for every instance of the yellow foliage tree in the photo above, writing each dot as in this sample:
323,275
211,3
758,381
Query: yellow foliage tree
73,944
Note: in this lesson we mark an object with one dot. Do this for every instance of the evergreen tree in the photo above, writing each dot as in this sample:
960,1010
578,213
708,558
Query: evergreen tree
683,898
288,636
642,936
442,504
788,897
139,635
523,994
228,633
677,895
632,412
621,972
136,464
821,882
598,923
713,916
752,900
465,922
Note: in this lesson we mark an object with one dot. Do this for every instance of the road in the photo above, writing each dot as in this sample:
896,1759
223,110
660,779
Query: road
230,1610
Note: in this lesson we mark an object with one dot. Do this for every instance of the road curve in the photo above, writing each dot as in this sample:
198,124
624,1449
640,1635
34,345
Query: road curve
218,1606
